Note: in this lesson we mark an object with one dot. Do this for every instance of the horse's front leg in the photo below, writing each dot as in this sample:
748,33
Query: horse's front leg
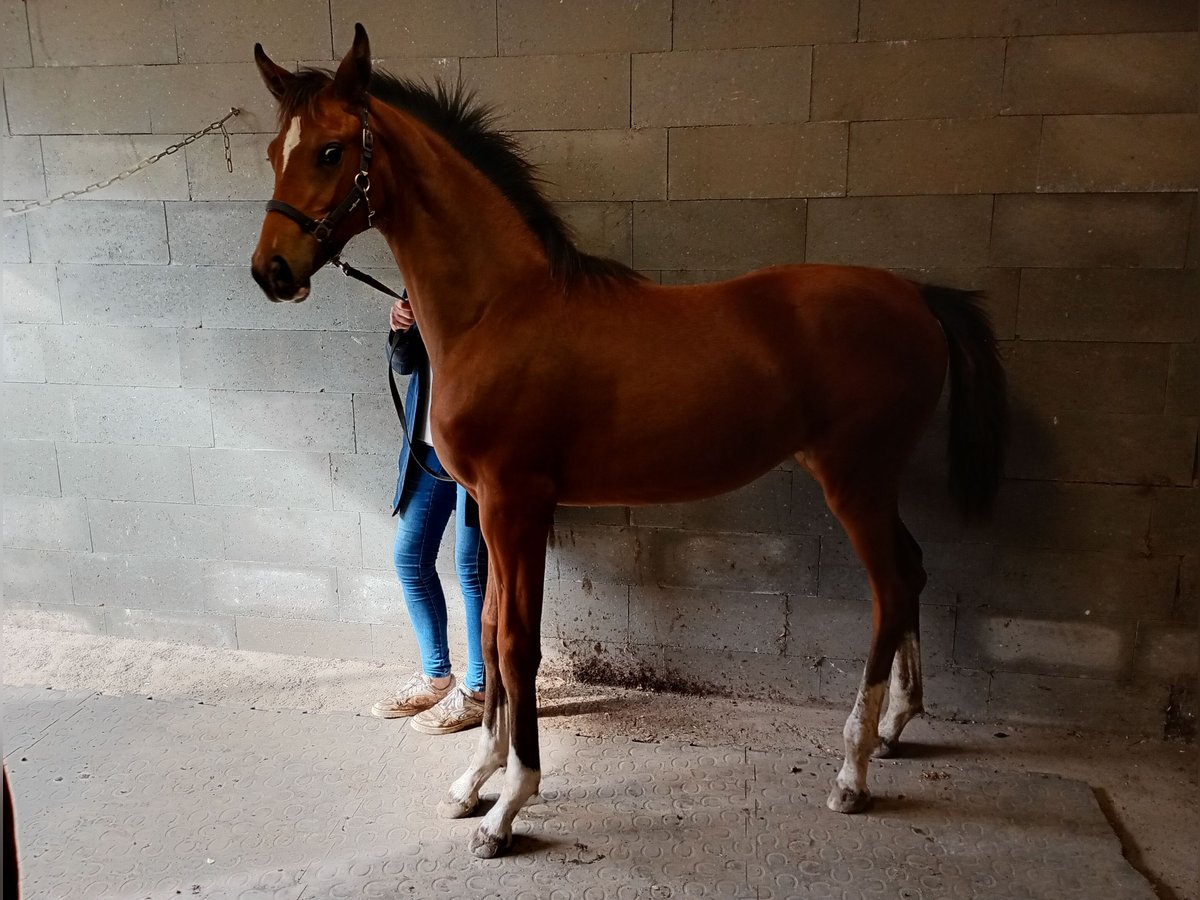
516,534
491,750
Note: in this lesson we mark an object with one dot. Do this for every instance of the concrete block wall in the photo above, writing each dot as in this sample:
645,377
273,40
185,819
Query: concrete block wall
184,460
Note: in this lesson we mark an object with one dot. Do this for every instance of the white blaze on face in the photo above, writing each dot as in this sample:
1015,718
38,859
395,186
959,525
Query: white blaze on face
290,141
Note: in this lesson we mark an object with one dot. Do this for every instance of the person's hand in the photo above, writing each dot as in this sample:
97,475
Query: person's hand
402,316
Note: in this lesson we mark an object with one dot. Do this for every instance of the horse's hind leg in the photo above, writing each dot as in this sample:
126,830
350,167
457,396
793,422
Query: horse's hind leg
493,739
869,517
905,697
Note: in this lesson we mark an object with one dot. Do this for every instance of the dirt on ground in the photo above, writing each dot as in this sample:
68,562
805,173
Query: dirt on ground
1148,789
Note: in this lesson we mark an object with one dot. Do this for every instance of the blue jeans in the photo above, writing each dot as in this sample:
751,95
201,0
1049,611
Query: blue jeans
418,536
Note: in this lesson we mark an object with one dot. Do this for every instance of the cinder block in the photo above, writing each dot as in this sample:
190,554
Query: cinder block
112,472
37,576
944,156
293,537
234,359
1069,702
807,511
378,541
30,294
222,30
940,79
102,33
14,36
398,644
1109,305
594,662
567,516
754,676
1111,73
935,230
1069,516
548,26
693,276
543,93
574,611
758,161
759,507
372,597
139,582
883,20
38,412
54,617
24,173
426,28
595,554
74,161
46,523
1104,447
1183,381
243,589
1119,153
1092,230
750,563
229,298
23,359
261,478
602,229
153,625
214,234
107,231
277,420
31,469
168,417
376,428
1108,377
363,482
329,640
1193,260
172,530
601,165
14,240
1166,653
721,87
707,620
429,69
209,178
718,234
110,354
1000,286
184,99
79,100
841,629
161,296
1076,585
1043,646
1175,520
702,24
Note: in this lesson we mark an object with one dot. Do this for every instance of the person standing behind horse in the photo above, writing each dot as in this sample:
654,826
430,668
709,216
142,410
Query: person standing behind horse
432,696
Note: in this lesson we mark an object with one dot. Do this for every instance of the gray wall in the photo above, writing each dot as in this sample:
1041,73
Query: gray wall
184,460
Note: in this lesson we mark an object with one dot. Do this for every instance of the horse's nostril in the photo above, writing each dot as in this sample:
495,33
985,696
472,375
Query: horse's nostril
281,272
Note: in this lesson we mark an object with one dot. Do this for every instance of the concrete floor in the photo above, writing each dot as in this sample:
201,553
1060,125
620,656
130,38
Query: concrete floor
1147,790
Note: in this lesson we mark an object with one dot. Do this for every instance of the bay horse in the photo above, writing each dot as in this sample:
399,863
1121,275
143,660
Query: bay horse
563,378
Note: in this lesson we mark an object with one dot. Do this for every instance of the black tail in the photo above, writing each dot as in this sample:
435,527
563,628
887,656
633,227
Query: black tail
978,398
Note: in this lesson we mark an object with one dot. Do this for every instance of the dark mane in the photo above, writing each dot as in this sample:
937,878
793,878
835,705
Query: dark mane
469,127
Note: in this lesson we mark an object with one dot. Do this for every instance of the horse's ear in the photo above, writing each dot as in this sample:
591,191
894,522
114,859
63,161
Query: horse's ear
354,74
276,77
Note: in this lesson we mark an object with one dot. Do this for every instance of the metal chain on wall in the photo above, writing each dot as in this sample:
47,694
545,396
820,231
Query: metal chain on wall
218,125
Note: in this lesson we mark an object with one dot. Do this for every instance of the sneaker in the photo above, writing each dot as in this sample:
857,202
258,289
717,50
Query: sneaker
458,710
414,696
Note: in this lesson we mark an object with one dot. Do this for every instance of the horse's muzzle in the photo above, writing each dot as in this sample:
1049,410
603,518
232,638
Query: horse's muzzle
278,282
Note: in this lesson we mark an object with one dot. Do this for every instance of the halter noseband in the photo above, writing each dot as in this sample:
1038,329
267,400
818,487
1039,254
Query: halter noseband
323,229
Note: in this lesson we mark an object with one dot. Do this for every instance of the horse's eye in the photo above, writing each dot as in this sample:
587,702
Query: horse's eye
331,154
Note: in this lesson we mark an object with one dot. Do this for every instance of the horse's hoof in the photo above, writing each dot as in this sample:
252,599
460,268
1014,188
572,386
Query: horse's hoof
888,747
847,800
453,808
488,846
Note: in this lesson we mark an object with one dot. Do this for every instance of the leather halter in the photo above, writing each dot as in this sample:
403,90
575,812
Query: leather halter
322,229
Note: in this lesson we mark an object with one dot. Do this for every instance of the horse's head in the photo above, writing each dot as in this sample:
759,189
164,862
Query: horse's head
320,158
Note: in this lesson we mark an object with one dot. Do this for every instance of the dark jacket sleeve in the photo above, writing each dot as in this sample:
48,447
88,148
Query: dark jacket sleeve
405,350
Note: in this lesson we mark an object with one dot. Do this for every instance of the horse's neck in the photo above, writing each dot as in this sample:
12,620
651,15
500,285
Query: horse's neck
456,238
